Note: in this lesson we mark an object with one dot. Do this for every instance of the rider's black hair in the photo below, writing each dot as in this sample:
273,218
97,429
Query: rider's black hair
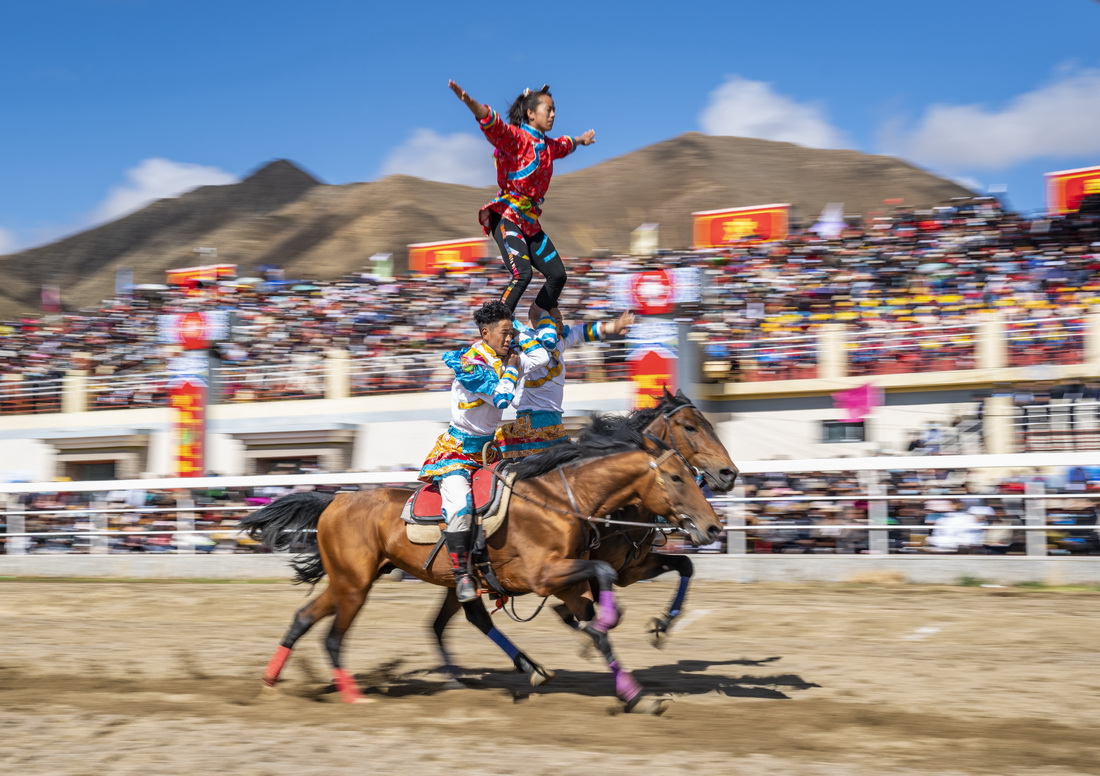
491,312
528,100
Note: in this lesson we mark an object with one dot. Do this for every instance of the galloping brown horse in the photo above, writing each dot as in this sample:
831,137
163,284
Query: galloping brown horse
677,422
540,549
629,550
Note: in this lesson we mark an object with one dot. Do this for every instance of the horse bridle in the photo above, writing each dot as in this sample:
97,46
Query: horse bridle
666,415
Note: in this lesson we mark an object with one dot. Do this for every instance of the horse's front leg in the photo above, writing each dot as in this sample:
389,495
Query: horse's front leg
654,564
627,688
479,617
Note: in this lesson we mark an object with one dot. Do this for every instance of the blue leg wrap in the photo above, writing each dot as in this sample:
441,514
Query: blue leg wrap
502,641
681,594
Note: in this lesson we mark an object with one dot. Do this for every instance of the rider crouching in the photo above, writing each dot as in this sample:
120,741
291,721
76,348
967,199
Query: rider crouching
485,380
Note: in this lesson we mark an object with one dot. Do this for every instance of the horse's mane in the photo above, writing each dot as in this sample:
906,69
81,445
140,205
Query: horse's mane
604,435
641,418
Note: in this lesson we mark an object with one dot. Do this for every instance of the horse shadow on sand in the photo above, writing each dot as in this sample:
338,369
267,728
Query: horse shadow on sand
683,678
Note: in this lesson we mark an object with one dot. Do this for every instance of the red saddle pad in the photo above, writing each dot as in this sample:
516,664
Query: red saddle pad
428,502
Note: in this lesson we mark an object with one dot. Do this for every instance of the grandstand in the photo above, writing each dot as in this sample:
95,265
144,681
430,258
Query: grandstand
980,328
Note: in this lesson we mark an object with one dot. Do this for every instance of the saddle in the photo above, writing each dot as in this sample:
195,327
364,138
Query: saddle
424,510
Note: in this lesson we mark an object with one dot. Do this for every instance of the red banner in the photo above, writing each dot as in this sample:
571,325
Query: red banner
720,228
190,277
450,256
1067,188
188,397
652,371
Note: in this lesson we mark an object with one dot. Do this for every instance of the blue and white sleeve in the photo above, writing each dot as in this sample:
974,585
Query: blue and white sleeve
505,390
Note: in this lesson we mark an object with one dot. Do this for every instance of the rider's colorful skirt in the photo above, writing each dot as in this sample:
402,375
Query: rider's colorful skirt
456,452
531,432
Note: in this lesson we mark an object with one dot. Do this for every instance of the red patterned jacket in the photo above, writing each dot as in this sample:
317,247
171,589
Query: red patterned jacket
525,163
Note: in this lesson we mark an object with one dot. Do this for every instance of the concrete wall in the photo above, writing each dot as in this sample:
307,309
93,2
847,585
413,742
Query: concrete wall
391,431
777,433
731,568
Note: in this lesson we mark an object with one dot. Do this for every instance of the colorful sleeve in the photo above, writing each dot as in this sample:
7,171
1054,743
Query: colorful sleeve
546,332
472,377
588,332
561,146
532,354
505,390
504,137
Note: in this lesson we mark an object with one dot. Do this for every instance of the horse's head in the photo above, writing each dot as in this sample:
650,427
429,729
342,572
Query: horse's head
673,493
680,423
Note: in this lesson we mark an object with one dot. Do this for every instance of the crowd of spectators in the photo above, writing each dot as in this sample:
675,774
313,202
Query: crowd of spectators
762,305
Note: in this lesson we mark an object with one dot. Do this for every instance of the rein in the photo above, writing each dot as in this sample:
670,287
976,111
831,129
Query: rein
575,511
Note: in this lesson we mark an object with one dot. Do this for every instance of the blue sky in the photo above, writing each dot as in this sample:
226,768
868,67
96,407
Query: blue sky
109,103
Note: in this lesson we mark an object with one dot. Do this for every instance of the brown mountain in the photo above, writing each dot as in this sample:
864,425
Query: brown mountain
282,215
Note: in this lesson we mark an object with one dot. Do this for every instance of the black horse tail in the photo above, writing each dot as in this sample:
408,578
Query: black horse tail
289,524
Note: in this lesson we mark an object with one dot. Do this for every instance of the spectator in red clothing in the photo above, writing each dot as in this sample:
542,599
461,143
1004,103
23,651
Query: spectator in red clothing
525,163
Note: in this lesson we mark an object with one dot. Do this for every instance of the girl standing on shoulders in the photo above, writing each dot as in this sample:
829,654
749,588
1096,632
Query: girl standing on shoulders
525,163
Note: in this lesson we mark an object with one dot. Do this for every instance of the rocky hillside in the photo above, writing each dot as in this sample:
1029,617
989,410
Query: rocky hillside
282,215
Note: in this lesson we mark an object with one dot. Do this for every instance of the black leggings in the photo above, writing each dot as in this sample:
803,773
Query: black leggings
520,253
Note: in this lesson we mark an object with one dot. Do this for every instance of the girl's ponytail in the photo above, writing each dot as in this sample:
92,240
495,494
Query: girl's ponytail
527,100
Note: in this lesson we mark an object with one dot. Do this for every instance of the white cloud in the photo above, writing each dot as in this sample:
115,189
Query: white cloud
458,158
8,242
753,109
968,182
154,179
1059,119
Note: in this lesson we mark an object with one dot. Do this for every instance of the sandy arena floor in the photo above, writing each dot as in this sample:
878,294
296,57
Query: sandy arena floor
163,679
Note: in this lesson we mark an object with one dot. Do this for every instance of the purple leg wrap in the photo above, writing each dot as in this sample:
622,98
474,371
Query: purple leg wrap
608,616
626,686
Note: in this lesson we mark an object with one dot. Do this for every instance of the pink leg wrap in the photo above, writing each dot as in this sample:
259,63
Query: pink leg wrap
345,683
626,686
607,616
275,666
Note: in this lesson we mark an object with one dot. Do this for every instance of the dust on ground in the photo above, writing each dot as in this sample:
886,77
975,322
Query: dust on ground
102,678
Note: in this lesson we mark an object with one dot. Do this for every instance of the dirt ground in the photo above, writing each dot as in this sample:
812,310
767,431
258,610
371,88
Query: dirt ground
162,678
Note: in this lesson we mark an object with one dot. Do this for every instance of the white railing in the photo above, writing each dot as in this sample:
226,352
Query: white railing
1060,424
141,389
1045,340
21,397
744,520
398,373
296,379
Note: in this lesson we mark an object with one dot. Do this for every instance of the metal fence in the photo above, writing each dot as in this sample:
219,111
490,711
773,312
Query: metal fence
915,349
1046,341
201,514
1058,424
28,397
123,391
776,358
300,378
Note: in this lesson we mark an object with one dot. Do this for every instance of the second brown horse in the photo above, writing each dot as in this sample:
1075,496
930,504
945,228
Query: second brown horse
541,549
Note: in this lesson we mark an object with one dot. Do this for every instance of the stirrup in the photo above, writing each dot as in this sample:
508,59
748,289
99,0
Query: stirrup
465,588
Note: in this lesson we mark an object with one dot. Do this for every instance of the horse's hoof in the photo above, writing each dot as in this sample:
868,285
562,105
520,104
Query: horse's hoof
647,704
453,684
361,699
658,632
541,676
269,693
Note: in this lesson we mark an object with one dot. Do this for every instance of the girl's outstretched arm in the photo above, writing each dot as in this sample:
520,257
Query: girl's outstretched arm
588,138
480,111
